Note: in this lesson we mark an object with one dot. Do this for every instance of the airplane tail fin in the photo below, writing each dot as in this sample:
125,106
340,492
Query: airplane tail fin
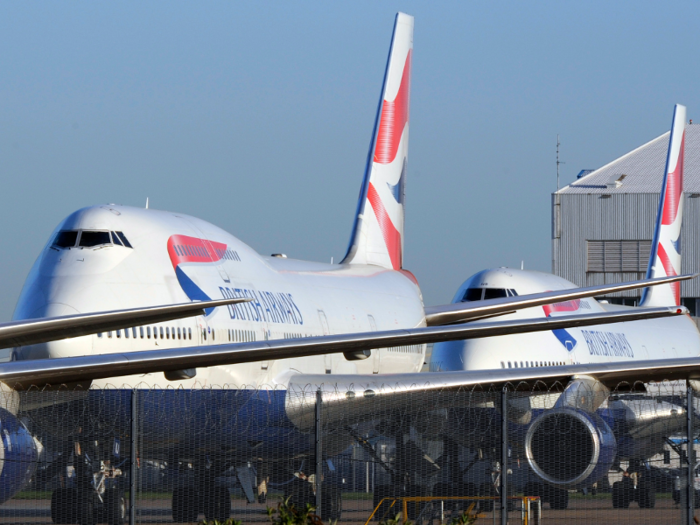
665,257
377,236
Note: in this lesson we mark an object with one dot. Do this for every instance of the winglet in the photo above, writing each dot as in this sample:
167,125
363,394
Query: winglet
665,257
377,236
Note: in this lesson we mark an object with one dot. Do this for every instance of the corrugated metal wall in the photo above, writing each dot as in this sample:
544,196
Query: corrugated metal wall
628,216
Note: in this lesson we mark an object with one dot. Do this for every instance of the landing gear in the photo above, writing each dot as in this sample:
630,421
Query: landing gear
301,493
184,505
96,497
86,510
646,497
64,504
114,507
488,490
332,504
216,503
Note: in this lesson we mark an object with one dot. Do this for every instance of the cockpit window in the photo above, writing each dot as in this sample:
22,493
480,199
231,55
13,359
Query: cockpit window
116,239
92,238
477,294
89,238
472,294
66,239
123,239
493,293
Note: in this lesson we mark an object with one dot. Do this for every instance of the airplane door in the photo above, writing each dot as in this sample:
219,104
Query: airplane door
219,266
326,331
375,351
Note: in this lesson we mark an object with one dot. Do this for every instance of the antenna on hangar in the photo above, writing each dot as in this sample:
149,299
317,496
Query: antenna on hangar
558,161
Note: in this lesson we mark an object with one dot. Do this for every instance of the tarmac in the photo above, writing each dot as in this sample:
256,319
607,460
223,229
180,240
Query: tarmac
597,511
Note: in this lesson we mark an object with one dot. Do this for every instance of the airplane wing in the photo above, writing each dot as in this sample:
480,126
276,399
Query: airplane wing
470,311
85,368
34,331
384,393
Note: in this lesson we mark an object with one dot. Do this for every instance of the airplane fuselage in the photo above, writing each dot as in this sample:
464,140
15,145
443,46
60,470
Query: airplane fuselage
662,339
143,257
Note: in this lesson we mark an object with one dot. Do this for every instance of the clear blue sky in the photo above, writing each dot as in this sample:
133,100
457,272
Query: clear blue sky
257,116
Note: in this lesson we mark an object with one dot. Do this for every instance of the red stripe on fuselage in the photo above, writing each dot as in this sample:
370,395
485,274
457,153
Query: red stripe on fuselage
674,189
392,238
184,249
565,306
394,118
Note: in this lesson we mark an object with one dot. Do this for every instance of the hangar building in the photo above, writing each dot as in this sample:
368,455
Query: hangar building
603,223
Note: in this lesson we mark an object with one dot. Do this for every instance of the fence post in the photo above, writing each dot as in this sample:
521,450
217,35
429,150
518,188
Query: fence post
690,486
504,457
319,451
133,458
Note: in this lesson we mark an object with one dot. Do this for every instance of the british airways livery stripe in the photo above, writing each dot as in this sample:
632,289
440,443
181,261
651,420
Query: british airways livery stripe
186,249
264,306
564,337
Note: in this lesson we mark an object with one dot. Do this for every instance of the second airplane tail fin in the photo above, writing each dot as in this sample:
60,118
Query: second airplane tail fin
377,236
665,257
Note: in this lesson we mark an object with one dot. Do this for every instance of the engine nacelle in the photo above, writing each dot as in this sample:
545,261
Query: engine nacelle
570,448
18,455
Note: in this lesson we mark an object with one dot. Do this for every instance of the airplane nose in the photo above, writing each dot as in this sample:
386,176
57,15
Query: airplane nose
447,357
64,348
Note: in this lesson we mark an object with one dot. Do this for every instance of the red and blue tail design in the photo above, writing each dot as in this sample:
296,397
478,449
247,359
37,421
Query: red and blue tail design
665,258
377,236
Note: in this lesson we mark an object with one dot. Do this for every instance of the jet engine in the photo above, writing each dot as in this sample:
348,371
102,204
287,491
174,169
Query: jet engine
18,455
570,448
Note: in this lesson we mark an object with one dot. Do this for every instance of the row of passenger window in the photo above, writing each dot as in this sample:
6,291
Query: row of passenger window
241,336
167,332
158,332
231,255
531,364
193,250
89,239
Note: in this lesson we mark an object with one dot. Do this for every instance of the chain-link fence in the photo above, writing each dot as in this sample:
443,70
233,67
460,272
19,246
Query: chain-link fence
583,452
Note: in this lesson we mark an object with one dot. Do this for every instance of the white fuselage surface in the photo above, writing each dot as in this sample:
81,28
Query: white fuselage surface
641,340
147,257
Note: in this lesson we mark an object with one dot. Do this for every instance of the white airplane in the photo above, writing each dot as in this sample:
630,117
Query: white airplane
660,340
302,323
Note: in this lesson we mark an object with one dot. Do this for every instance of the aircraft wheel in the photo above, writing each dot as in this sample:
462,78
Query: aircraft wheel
63,506
86,509
115,507
487,489
184,505
217,503
622,494
468,489
332,504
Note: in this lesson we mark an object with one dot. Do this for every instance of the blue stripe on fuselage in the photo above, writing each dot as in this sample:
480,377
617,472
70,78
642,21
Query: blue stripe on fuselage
194,292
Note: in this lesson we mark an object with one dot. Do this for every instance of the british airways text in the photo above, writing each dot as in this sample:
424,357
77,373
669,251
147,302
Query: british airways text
607,343
271,307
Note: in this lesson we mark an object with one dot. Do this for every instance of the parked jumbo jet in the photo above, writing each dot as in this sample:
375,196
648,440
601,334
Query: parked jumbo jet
661,340
292,323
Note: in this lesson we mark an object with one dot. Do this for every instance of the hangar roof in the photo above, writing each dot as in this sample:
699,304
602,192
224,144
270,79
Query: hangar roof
640,170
